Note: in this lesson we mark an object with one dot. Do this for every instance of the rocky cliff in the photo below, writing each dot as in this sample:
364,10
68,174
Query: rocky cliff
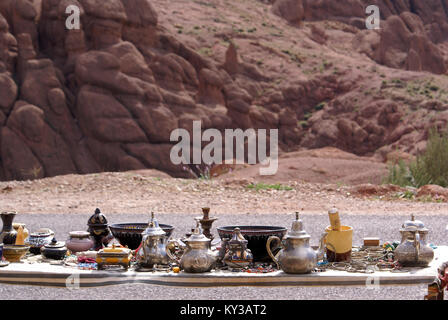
106,97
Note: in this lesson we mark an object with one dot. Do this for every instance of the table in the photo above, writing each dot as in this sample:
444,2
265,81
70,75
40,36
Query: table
46,274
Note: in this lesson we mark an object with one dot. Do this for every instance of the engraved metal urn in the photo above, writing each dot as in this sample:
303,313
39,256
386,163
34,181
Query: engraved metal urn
297,256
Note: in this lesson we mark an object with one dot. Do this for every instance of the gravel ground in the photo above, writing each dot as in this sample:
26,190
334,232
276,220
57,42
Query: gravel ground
384,226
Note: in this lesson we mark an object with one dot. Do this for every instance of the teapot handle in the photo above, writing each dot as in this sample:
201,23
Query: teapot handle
171,244
268,249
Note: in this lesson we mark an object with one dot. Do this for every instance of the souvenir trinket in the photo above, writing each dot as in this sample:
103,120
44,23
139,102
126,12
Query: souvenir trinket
130,234
54,250
14,253
8,234
206,223
99,230
257,236
17,225
3,263
198,256
153,250
38,239
339,240
414,249
20,237
79,241
297,256
114,256
238,256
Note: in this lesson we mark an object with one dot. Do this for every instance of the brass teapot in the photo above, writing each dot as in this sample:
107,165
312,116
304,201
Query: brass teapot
197,256
296,256
153,250
414,250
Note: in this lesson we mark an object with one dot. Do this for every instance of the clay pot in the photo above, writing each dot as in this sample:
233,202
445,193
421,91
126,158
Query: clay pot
79,241
14,253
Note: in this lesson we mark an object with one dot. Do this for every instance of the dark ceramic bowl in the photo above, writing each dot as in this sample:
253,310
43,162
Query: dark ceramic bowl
257,237
130,234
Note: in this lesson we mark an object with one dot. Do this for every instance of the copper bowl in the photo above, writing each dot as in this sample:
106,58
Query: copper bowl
130,234
257,237
14,253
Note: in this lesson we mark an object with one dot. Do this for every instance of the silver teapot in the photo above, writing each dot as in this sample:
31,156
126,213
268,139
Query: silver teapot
414,250
296,256
197,257
153,250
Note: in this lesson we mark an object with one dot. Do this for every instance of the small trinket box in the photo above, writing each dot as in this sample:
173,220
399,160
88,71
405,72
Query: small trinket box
371,242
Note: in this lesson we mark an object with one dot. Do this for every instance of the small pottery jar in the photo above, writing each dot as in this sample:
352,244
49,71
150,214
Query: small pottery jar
8,234
55,250
38,239
79,241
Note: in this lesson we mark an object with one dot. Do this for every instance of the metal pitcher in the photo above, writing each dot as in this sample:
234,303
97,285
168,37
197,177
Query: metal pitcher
297,256
414,250
198,256
153,250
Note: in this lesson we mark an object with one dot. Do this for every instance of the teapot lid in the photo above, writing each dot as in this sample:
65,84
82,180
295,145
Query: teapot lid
197,235
237,237
297,231
55,244
413,224
153,228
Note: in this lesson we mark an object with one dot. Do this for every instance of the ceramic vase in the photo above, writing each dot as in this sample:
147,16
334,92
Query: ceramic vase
8,234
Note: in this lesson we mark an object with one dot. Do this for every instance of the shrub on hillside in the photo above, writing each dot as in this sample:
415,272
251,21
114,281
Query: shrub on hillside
431,167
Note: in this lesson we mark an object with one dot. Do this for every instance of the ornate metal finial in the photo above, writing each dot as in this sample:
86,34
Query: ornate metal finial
297,215
97,211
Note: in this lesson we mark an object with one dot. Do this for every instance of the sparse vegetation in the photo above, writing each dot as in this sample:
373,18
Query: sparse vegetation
264,186
431,167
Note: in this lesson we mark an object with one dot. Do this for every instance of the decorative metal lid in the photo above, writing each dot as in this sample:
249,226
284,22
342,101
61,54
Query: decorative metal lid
297,231
115,250
197,235
55,244
97,219
153,228
237,237
410,225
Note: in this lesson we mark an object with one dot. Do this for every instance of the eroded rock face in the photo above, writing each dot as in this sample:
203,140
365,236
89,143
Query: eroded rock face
108,96
408,36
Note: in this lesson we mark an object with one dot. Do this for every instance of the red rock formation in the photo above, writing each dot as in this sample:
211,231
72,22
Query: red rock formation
107,96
